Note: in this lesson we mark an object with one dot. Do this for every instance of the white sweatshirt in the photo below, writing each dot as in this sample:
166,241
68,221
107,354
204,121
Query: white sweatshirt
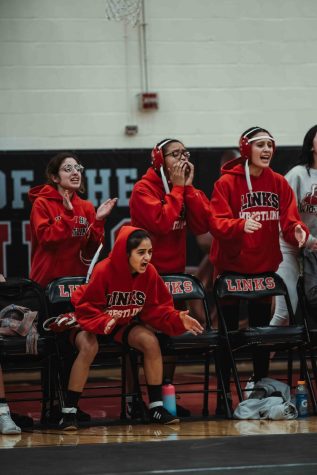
305,189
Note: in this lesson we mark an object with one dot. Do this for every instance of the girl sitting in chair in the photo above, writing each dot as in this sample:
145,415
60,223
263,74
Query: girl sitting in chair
124,294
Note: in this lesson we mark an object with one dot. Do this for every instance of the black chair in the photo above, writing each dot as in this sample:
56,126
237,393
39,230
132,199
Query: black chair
270,338
189,347
59,293
13,356
309,315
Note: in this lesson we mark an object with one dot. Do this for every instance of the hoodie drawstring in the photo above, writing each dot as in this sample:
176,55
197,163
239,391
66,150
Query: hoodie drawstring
164,180
247,175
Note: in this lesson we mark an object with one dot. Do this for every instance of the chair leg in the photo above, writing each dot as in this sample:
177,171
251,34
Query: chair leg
313,365
46,386
223,388
235,376
123,414
205,411
132,356
290,368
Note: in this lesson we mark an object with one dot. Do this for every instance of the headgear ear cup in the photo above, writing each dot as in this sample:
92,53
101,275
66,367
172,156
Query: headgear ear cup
157,158
157,154
245,143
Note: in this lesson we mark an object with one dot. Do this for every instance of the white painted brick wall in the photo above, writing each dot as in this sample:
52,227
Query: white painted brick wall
69,77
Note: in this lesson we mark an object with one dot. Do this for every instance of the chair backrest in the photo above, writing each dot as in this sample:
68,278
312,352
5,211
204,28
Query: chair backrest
59,292
26,293
251,286
181,286
187,287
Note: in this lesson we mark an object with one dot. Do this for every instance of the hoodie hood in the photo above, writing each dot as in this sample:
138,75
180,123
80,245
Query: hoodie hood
48,192
44,191
234,167
240,166
152,177
118,257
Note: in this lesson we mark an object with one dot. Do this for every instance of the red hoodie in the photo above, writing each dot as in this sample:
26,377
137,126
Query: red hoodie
232,204
61,238
163,217
113,292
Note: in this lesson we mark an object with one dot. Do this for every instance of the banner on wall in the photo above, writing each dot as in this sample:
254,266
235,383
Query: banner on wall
107,173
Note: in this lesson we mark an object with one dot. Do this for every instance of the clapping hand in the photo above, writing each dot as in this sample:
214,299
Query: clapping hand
66,201
105,208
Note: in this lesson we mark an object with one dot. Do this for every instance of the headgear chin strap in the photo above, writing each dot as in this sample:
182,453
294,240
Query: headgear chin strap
158,162
164,180
247,175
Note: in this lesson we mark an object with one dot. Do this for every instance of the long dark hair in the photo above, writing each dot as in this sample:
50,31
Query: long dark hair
306,156
135,239
53,167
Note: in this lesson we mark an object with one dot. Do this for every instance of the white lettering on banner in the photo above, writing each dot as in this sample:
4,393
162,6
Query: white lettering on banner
5,240
3,190
20,189
102,188
123,187
98,186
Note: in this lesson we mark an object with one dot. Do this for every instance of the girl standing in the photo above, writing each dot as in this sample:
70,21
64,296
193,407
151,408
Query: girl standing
303,180
249,204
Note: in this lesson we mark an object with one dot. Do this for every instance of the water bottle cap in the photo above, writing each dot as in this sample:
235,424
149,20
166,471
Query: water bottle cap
168,390
301,382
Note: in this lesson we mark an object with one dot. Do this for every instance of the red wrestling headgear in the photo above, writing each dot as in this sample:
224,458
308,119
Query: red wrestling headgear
246,141
157,154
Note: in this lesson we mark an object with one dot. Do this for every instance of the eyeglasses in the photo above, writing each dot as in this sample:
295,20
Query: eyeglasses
178,153
70,168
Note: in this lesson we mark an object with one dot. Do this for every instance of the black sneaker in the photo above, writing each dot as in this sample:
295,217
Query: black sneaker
68,421
21,420
137,411
221,410
83,416
182,411
52,416
160,415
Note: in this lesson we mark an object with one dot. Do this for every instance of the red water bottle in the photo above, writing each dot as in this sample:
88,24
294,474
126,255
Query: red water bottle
169,398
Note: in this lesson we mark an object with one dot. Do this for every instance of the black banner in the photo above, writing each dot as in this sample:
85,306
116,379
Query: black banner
108,173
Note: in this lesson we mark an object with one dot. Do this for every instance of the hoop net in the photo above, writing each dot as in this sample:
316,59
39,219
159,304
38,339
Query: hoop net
129,11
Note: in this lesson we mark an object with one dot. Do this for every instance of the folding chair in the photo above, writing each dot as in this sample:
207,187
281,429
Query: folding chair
271,338
13,356
310,318
186,287
59,293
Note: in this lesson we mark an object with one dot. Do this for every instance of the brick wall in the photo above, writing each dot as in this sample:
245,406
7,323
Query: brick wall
69,77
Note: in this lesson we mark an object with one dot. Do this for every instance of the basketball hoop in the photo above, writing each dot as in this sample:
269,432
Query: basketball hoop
129,11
